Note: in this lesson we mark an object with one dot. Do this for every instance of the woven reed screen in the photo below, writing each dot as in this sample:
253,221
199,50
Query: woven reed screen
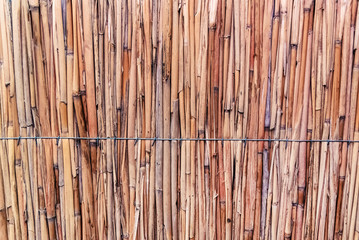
163,76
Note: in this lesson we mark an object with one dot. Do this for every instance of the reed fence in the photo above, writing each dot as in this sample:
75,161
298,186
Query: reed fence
179,119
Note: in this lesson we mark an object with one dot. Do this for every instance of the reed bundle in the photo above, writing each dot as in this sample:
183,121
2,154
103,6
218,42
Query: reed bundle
80,72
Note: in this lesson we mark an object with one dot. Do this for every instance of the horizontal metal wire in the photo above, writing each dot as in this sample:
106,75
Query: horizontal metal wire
179,139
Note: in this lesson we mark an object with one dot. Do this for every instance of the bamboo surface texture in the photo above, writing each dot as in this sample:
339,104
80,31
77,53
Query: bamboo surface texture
75,74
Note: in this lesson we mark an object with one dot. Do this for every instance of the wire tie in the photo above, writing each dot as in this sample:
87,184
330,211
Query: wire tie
136,140
35,137
97,141
18,140
245,141
286,142
154,140
222,141
57,140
